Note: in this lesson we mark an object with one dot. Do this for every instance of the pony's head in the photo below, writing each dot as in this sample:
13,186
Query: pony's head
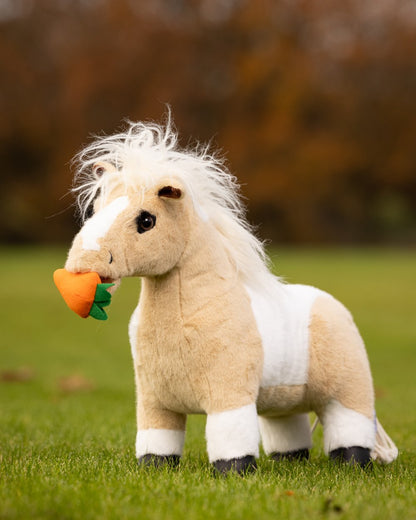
132,232
145,194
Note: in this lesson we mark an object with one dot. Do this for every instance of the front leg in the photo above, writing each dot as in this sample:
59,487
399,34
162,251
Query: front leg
160,438
233,439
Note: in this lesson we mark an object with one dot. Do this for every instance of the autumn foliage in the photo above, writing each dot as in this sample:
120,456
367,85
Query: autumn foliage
313,102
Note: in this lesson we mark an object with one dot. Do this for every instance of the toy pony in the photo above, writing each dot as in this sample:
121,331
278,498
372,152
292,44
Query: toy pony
214,331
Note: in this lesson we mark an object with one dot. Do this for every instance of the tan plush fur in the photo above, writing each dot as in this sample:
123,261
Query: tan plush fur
123,242
193,319
196,316
282,400
338,366
192,323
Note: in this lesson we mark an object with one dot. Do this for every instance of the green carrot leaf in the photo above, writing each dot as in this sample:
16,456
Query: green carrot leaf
102,299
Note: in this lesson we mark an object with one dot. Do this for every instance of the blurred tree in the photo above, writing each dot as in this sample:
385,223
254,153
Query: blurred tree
313,102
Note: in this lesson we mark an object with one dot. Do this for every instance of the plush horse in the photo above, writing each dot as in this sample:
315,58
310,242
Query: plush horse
214,331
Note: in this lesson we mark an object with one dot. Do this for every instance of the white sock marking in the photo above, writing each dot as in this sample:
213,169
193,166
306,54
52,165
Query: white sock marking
233,434
159,442
283,434
344,428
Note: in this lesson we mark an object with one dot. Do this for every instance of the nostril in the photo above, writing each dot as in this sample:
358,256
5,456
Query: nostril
111,258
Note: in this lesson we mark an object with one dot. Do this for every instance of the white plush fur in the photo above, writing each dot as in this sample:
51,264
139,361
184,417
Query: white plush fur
133,326
159,442
282,316
344,428
385,451
233,434
97,226
284,434
146,154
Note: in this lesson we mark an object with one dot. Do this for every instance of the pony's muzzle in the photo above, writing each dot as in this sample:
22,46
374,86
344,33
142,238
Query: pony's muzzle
82,260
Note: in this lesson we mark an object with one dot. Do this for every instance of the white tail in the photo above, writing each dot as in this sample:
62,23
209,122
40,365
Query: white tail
385,451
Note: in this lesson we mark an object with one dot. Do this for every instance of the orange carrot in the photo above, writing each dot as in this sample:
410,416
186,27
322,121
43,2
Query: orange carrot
83,292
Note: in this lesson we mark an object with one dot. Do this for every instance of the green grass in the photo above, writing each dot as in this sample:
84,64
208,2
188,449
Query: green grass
68,452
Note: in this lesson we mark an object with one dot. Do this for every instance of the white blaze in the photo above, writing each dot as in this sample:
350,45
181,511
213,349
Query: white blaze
97,226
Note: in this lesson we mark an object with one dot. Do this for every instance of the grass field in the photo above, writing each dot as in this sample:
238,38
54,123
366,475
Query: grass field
67,406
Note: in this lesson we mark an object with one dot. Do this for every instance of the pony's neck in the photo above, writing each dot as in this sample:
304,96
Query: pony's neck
205,257
204,270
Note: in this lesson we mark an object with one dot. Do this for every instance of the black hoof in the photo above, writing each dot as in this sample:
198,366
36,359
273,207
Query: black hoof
296,455
352,455
159,461
241,466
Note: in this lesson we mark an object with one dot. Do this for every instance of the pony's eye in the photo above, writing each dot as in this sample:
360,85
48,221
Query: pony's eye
89,212
145,222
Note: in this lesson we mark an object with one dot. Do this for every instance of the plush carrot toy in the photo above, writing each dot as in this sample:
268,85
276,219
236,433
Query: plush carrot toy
83,293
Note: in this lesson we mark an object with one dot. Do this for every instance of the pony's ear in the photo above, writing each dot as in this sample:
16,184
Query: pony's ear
101,167
169,192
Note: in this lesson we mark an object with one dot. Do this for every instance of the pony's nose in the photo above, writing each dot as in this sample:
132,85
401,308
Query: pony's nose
81,260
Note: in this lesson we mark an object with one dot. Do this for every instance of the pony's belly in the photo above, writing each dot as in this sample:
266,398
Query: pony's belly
275,401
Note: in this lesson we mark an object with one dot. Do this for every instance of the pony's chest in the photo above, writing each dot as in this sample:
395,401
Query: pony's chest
191,359
157,339
162,360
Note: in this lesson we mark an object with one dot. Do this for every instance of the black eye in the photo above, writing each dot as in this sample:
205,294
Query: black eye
145,222
89,212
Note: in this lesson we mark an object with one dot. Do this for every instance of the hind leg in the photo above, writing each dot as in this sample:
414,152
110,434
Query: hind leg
286,437
349,436
340,386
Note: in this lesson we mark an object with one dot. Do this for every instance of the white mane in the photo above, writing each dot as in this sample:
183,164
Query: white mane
144,154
